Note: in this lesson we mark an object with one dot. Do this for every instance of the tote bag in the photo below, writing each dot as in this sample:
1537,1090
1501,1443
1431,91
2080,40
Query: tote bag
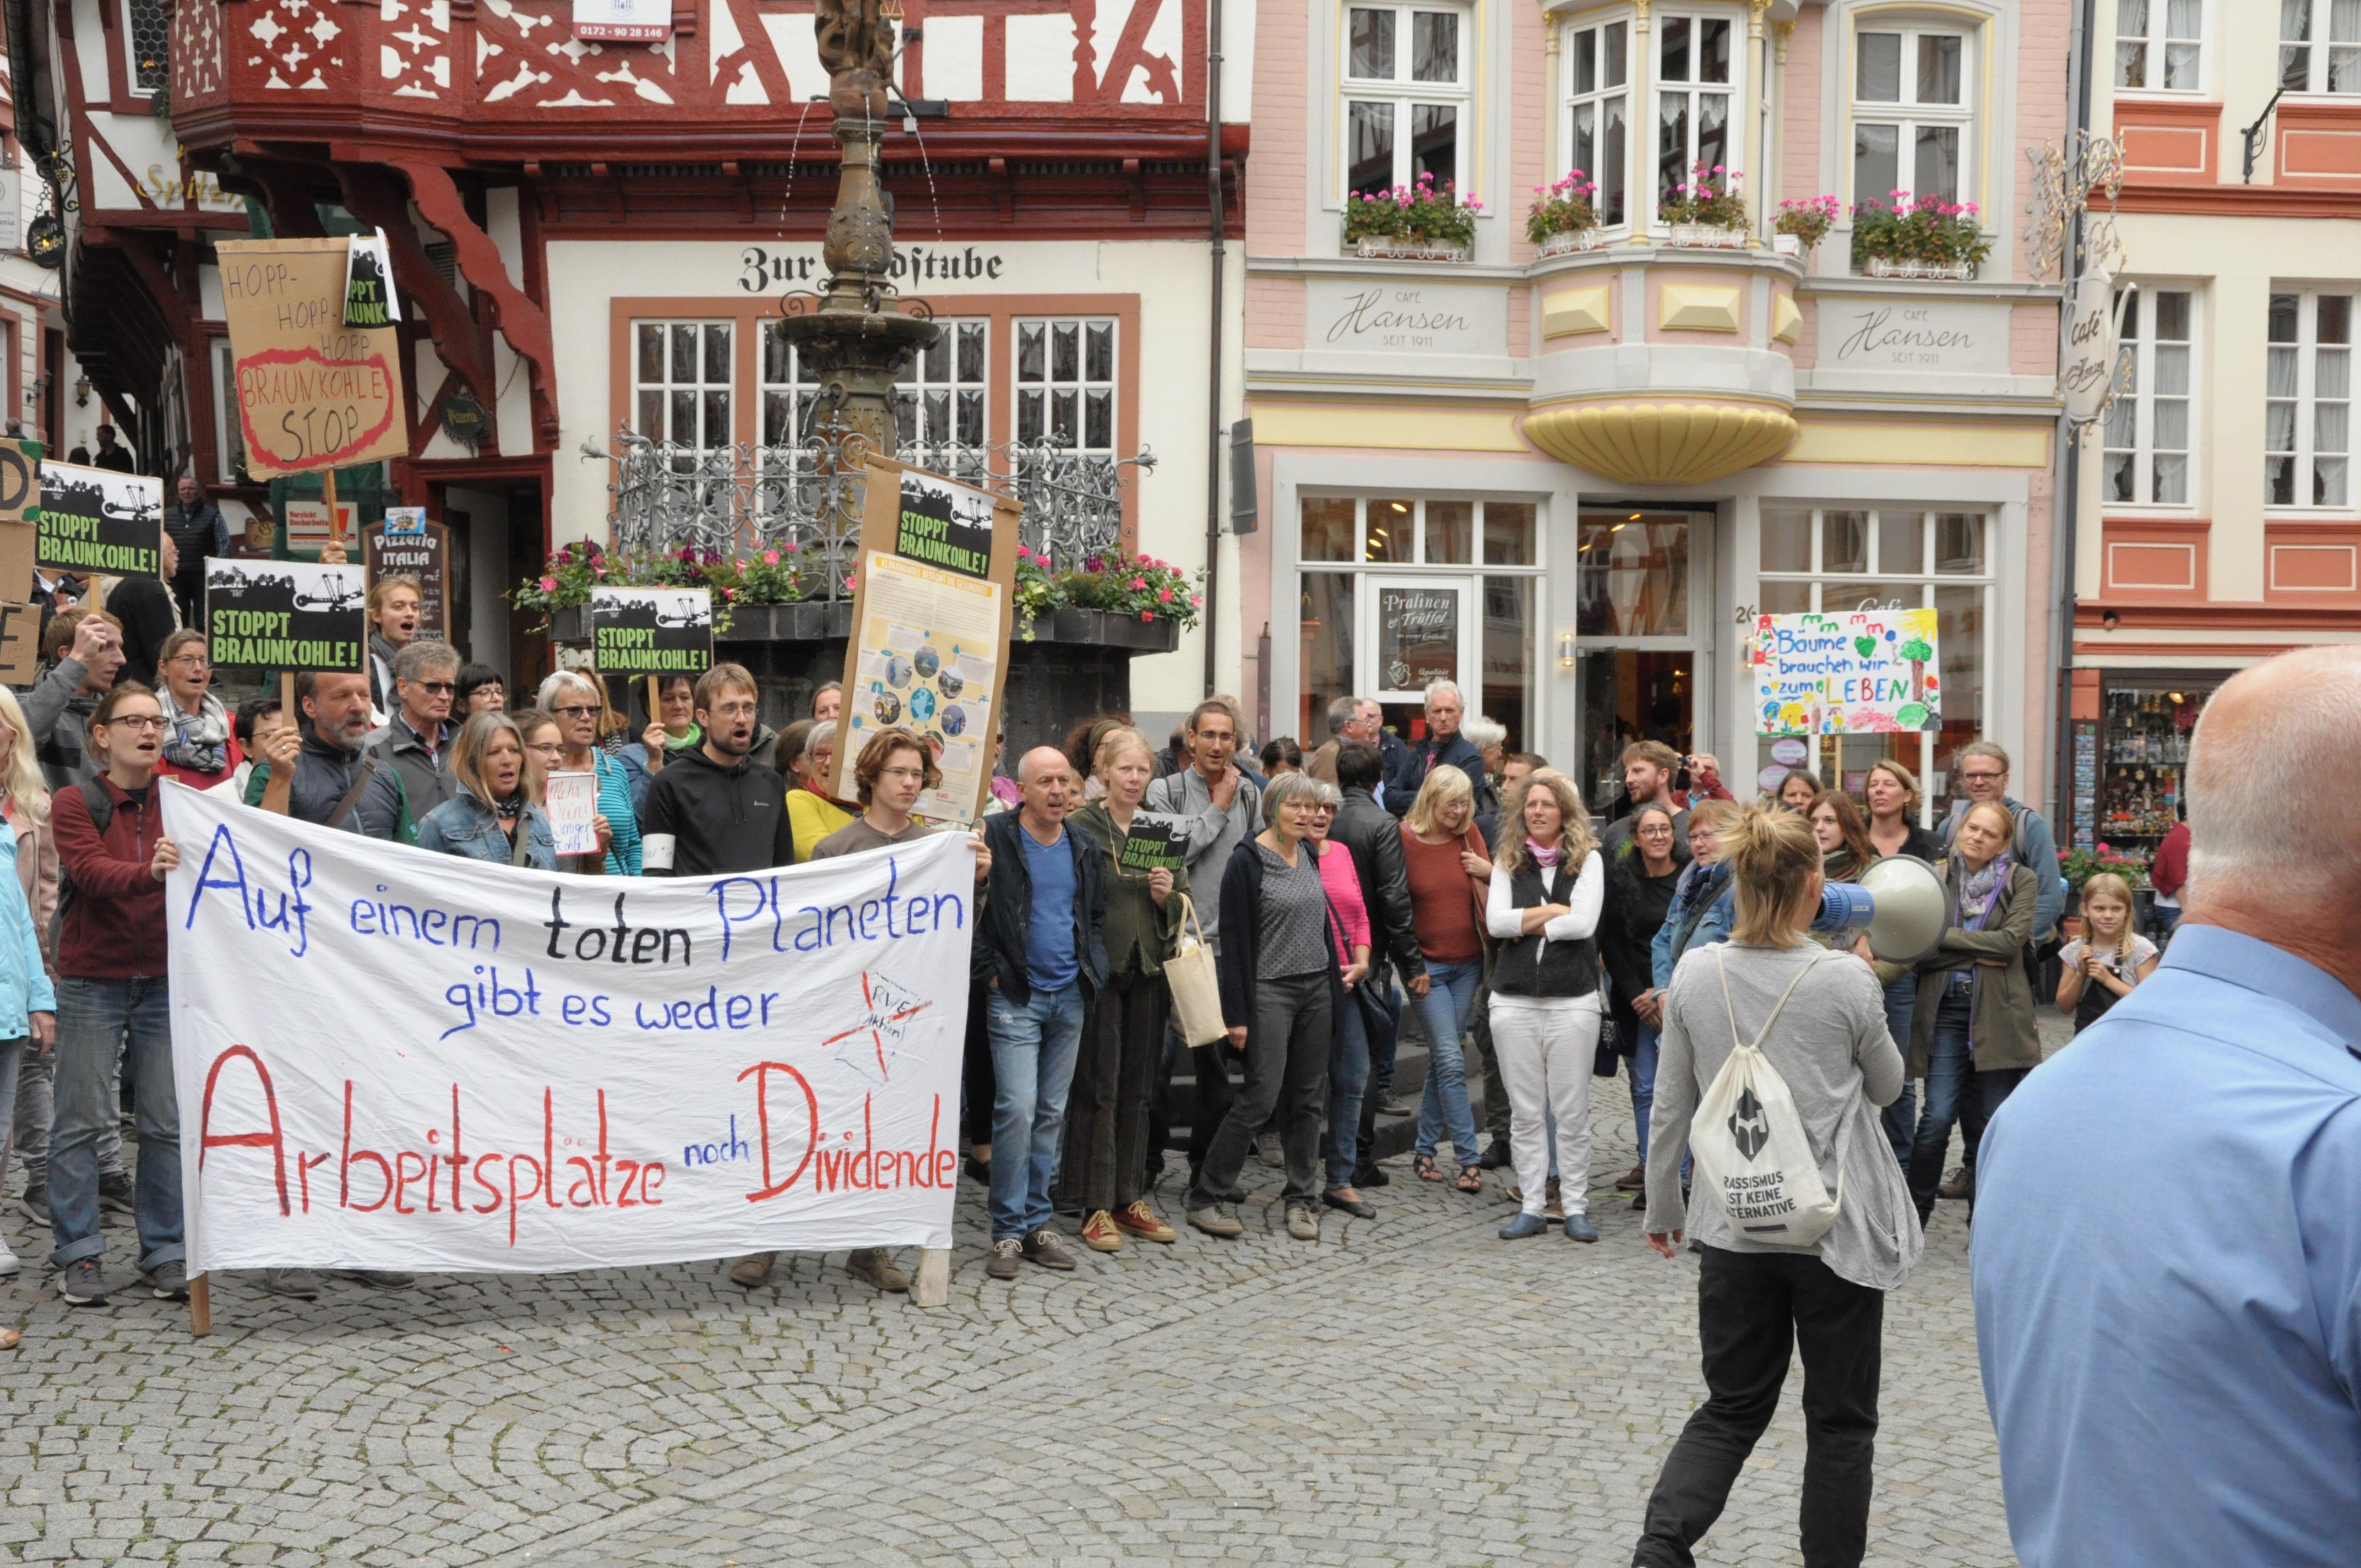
1196,987
1749,1147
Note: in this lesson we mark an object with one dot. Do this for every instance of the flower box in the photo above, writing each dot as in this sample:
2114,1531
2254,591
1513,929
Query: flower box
1787,245
1883,266
1707,237
1391,247
1569,242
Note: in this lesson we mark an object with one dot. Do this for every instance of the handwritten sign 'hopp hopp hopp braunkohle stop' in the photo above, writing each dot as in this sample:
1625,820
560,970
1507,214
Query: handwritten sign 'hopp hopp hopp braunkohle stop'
651,631
286,615
313,392
1866,672
95,520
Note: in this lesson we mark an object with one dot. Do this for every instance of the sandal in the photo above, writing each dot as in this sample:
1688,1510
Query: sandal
1471,1178
1423,1165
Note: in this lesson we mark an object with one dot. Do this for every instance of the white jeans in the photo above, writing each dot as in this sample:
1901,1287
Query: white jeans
1547,1047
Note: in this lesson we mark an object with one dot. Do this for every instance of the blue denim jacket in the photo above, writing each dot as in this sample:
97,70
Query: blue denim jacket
1710,886
23,984
466,826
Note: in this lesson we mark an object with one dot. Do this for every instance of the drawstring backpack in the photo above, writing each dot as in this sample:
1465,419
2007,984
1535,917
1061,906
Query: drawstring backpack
1749,1143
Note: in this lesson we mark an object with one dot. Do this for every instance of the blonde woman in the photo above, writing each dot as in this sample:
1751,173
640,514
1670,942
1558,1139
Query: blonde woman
1449,870
25,1075
1547,886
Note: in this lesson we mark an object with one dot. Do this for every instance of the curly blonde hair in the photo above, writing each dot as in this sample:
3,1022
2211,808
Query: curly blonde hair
1575,839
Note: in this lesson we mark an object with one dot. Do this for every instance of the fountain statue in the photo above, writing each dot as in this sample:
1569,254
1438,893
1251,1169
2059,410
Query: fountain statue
853,343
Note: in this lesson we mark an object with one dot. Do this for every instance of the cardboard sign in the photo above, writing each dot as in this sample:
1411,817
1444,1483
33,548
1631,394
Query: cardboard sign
20,481
1156,843
932,605
312,393
286,615
425,556
20,643
572,801
1868,672
651,631
95,520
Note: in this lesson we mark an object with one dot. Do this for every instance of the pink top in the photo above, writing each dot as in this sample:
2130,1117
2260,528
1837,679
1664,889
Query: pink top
1344,886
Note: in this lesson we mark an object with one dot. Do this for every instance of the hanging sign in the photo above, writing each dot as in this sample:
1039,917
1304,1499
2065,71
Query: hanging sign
286,615
626,21
95,520
409,544
1869,672
931,611
2094,338
651,631
556,1071
312,392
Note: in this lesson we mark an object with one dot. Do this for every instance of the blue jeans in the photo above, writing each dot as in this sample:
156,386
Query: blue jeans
1446,1009
1901,1118
1643,1082
12,1054
1034,1047
1950,1078
94,1016
1348,1079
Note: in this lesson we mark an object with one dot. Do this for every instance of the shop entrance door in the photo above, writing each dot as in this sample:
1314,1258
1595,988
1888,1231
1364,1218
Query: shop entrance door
1640,648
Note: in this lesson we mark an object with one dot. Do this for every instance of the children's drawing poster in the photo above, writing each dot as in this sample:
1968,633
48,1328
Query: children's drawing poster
1865,672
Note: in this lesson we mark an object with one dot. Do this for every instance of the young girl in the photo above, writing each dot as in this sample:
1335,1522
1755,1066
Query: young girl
2104,963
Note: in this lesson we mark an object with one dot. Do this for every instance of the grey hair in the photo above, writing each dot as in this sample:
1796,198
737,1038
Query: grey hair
1328,796
2294,716
1284,788
1484,733
423,658
1436,689
1991,749
1341,712
558,684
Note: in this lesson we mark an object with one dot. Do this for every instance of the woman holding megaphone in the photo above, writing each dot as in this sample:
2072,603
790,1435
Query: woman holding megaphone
1779,1125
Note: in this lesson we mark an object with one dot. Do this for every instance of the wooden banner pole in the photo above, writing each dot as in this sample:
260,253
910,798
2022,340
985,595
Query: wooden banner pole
201,1304
656,700
335,522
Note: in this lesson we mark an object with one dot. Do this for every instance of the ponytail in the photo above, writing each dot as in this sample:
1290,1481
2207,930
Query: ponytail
1772,856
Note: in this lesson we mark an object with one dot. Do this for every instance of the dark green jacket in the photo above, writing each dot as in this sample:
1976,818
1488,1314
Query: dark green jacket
1138,935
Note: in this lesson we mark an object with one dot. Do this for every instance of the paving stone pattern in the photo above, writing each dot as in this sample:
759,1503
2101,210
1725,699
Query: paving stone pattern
1404,1390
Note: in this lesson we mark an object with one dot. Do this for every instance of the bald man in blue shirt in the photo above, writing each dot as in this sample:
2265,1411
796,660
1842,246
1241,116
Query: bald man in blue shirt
2167,1243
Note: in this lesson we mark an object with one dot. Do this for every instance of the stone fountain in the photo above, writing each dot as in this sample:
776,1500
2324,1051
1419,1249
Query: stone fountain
853,343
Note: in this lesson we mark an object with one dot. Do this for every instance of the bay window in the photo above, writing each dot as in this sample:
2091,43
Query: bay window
2160,44
2308,408
2320,45
1598,113
1406,95
2147,426
1695,89
1912,114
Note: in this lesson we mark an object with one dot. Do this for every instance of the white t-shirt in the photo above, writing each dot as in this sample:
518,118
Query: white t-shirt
2127,967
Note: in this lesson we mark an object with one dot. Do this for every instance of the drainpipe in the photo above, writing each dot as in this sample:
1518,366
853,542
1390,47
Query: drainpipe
1213,357
2070,499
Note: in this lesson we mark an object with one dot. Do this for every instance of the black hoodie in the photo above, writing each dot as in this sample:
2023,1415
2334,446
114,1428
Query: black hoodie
703,819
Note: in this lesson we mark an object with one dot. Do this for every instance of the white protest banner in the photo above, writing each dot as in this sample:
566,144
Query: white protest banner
396,1060
572,801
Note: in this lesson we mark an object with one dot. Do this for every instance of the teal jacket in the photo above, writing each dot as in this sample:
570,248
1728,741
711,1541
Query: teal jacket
23,984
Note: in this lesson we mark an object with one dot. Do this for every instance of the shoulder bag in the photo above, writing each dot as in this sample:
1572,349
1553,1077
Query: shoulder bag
1196,986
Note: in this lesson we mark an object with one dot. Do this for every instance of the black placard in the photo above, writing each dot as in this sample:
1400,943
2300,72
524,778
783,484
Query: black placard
651,631
1154,844
95,520
286,615
944,525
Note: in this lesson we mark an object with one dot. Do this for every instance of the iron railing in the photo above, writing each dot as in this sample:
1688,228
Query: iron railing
746,498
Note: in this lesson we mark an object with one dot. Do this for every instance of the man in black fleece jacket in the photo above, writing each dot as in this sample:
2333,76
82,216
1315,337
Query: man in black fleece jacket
714,810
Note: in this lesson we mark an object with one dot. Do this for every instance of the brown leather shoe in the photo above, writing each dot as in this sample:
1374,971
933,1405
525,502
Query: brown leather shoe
1100,1234
875,1265
752,1271
1142,1222
1958,1184
1632,1180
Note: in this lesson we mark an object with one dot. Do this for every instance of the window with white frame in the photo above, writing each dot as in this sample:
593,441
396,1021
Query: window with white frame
1598,113
1833,559
2160,44
2308,408
2320,45
1406,94
1066,381
147,37
1913,115
2147,426
681,384
940,402
229,441
1696,119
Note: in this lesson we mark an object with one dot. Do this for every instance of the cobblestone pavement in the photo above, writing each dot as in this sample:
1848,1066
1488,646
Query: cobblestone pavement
1404,1390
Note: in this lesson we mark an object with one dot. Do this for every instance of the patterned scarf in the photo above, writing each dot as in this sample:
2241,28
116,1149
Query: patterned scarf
1979,891
199,741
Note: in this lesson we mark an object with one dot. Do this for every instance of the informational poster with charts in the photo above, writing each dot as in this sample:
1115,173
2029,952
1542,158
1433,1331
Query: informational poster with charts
931,615
1866,672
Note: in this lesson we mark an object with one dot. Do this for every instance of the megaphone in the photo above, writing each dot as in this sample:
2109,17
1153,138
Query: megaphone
1899,903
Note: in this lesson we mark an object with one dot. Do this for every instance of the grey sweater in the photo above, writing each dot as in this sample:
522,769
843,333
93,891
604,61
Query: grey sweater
1831,1047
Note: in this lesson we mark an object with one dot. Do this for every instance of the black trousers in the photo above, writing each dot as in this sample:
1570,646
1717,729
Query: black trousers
1753,1310
978,1086
1115,1078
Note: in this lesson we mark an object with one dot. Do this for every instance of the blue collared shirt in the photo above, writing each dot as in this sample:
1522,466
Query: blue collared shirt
2168,1273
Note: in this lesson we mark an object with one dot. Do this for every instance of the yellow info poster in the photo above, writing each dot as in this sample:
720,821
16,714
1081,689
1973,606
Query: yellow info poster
927,658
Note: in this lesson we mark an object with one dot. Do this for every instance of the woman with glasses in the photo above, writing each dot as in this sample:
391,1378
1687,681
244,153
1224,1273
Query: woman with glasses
573,699
481,690
200,747
544,745
496,814
1640,886
809,757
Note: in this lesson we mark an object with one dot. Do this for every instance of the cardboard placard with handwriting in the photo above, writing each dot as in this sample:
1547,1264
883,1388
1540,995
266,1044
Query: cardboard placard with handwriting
20,644
312,391
21,511
934,599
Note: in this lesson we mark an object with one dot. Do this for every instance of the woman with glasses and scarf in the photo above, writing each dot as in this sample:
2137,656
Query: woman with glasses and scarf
200,748
1972,1035
574,700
